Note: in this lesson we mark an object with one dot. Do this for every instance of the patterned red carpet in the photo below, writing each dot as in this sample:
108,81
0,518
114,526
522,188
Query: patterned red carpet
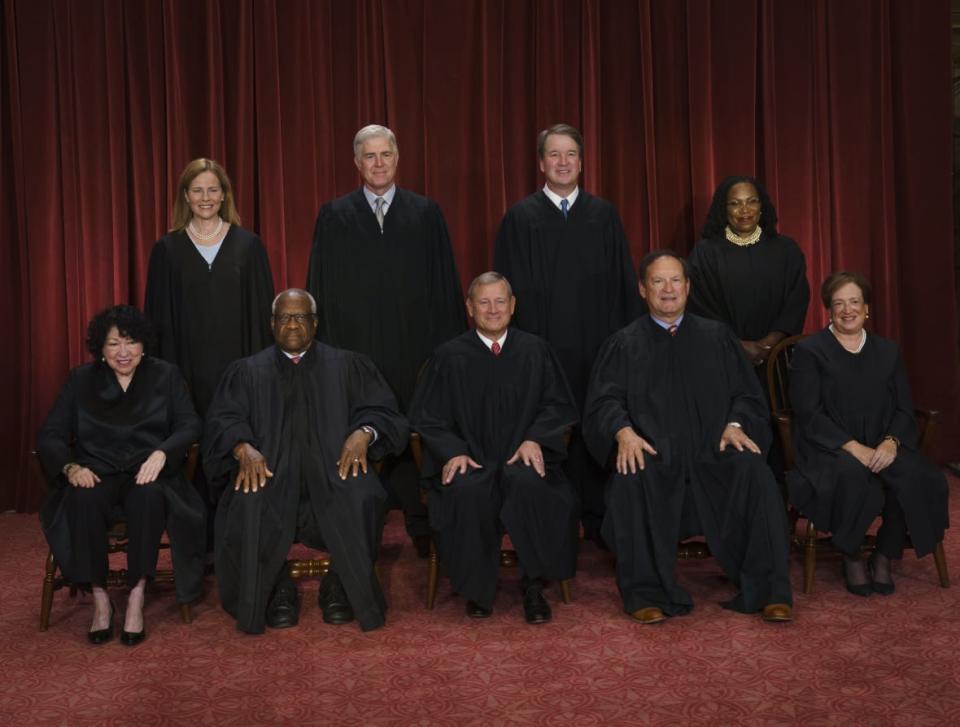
843,661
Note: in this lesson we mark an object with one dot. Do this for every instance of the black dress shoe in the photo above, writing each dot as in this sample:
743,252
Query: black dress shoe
884,588
421,543
475,610
132,638
333,601
536,610
103,635
283,610
857,589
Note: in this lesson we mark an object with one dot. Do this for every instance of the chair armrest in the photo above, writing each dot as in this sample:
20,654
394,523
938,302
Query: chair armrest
926,423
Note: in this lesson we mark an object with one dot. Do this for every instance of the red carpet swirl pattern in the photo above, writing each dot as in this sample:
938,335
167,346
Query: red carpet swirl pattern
843,661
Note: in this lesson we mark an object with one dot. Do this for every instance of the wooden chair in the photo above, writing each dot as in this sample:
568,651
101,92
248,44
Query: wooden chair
778,387
508,557
53,579
299,568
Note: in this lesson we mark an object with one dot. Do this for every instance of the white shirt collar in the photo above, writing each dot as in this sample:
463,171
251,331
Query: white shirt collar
387,196
294,355
488,342
555,198
666,326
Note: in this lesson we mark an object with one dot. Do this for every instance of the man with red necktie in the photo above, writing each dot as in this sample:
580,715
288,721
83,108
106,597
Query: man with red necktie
492,408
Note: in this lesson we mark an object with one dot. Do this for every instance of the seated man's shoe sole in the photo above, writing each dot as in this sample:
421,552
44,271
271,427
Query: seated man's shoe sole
536,610
284,609
777,613
333,601
649,615
475,610
132,638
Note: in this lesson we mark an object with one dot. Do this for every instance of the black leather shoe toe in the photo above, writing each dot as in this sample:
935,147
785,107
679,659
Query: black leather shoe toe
102,636
475,610
132,638
536,610
334,602
284,608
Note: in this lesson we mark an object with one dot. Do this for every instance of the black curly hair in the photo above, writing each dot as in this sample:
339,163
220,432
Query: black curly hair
129,322
717,214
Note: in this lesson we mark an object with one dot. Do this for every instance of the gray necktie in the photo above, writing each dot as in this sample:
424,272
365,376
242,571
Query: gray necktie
378,211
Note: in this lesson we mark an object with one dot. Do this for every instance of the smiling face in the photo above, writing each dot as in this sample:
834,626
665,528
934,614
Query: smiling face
491,307
294,325
665,288
377,163
848,311
204,195
561,164
743,208
121,353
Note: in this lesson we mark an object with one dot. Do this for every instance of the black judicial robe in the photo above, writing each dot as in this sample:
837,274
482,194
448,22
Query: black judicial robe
838,396
298,417
679,393
393,296
207,316
574,279
97,424
472,402
754,289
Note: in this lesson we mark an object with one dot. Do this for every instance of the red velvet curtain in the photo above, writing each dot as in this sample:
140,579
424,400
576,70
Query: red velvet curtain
842,107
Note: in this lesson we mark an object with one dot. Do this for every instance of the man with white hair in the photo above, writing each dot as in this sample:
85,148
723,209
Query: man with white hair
383,274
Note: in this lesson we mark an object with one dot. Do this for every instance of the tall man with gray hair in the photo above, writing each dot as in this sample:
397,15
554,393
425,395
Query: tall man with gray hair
384,277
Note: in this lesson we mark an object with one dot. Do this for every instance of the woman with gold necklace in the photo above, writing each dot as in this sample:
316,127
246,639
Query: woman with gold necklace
745,273
855,441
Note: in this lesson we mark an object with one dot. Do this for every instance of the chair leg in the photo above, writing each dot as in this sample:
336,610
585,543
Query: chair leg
186,613
809,557
433,572
46,599
565,590
941,560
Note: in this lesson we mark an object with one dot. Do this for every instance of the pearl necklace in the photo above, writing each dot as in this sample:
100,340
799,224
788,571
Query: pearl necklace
197,235
743,241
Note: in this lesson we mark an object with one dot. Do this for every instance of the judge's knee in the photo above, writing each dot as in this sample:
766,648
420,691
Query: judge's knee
624,487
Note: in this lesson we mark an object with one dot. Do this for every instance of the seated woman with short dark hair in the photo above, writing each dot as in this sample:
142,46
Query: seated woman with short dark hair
117,436
856,442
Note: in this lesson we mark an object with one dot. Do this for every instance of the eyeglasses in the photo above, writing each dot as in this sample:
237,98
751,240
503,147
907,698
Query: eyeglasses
299,318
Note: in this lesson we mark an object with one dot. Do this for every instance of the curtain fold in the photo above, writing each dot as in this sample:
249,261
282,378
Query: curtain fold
842,108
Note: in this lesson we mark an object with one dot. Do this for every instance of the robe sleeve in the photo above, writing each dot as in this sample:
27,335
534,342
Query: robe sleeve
511,258
794,311
706,293
748,405
56,434
158,303
372,403
903,425
809,414
556,411
315,271
258,293
605,412
185,426
432,417
227,423
627,295
447,317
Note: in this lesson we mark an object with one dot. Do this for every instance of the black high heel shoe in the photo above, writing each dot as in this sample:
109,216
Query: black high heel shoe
884,588
857,589
132,638
103,635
